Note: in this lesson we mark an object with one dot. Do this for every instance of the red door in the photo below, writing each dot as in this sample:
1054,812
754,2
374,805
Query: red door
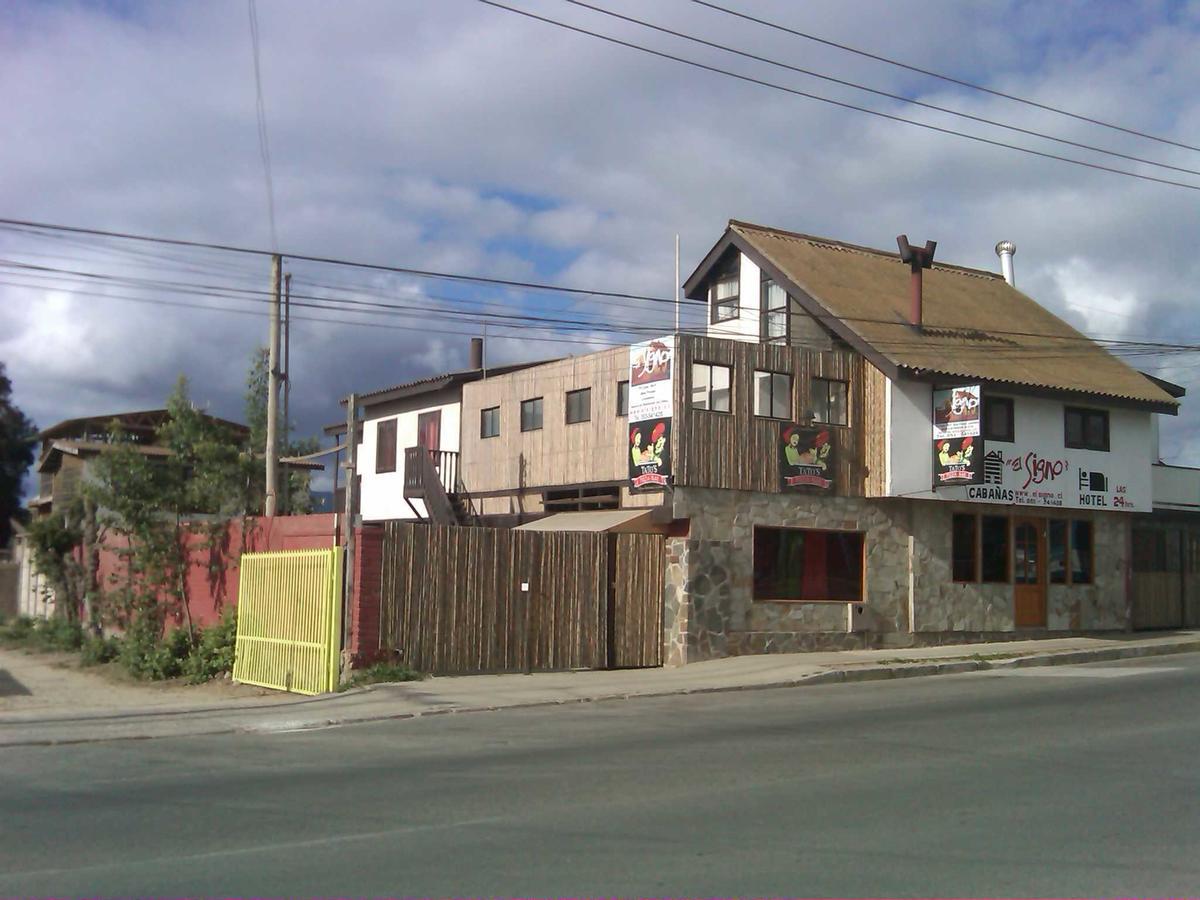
429,433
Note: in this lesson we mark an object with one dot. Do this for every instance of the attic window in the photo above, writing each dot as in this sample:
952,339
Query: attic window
723,292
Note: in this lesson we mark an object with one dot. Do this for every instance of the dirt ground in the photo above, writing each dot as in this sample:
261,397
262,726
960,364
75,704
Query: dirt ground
54,683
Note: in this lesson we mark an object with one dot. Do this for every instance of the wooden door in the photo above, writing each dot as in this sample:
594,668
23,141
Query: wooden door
429,430
1029,573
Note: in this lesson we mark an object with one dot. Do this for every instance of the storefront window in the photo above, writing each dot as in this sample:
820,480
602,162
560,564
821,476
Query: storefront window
1081,551
964,549
994,548
794,564
1058,551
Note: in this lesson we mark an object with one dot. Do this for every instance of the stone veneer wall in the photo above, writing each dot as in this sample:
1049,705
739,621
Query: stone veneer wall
710,611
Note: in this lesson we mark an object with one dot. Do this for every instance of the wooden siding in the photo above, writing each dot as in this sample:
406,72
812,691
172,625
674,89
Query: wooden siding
873,423
738,450
558,453
637,599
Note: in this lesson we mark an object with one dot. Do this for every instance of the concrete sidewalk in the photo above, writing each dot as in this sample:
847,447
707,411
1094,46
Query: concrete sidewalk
493,692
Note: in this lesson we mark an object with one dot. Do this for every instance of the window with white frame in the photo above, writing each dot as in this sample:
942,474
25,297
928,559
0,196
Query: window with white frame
774,320
773,395
711,387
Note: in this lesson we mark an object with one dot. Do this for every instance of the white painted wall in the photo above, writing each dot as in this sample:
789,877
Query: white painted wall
1038,428
382,493
1175,487
745,327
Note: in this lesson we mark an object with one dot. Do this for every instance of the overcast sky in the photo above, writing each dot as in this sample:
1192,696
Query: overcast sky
456,137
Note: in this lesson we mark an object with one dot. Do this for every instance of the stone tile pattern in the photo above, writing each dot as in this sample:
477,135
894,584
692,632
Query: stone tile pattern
710,611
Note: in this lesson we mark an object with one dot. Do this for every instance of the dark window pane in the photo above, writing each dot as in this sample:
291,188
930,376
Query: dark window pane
531,414
489,422
963,552
793,564
1081,552
1074,423
1057,564
385,446
994,548
1095,431
622,398
998,419
579,406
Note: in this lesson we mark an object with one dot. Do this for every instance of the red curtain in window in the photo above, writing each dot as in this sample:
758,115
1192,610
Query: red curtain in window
816,571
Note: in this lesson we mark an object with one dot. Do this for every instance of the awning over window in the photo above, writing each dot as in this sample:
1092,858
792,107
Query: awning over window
637,520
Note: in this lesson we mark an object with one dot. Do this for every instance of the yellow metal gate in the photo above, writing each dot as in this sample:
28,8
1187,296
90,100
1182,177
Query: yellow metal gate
288,624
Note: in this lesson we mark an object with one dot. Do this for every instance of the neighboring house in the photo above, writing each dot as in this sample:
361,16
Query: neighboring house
407,457
793,464
68,448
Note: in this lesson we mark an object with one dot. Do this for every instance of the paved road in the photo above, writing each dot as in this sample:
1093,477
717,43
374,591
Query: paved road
1059,781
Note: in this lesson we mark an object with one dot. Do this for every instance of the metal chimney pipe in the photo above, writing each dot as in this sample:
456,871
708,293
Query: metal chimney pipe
1006,250
476,359
917,258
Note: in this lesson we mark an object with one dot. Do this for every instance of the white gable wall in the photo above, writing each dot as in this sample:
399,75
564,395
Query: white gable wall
745,327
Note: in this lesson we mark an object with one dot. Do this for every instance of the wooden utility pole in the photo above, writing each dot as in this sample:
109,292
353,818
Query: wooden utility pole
351,512
273,392
287,383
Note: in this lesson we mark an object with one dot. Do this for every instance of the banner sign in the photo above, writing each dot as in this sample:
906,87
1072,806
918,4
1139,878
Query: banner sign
651,370
956,412
805,458
650,454
957,461
1049,478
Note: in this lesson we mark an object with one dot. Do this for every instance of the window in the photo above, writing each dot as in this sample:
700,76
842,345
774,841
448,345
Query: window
711,387
774,319
579,406
828,401
723,295
1081,551
580,499
794,564
531,414
993,554
1085,429
489,422
965,548
1058,551
773,395
622,398
385,446
998,419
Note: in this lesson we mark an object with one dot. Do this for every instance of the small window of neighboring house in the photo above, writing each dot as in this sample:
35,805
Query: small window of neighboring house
489,422
773,395
531,414
579,406
385,446
711,387
998,419
803,565
723,296
622,398
1085,429
828,401
773,324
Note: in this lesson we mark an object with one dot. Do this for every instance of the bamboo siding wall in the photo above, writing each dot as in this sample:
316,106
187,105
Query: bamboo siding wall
452,600
738,450
873,423
558,453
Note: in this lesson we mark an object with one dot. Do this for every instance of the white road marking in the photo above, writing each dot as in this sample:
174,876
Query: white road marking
1080,672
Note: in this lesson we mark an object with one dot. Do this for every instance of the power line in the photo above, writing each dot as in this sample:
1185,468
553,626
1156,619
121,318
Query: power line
870,90
264,145
948,78
839,103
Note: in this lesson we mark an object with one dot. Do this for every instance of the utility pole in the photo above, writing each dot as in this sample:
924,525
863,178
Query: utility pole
351,511
675,289
287,383
273,392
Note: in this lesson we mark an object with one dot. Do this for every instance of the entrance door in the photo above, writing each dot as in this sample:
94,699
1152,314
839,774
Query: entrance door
429,430
1029,573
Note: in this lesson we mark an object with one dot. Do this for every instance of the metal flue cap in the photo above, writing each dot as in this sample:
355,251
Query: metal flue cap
1003,247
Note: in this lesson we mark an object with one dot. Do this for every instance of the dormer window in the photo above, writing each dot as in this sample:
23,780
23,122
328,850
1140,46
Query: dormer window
774,320
723,295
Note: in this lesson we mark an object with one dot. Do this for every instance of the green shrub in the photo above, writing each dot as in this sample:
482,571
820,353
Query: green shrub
57,634
213,654
382,672
18,631
99,650
145,655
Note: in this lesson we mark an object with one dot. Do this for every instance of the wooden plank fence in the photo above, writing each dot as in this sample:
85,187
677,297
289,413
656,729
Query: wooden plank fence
458,600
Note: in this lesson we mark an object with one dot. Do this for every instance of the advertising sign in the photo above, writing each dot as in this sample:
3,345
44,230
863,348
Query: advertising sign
805,458
649,454
956,412
1024,476
957,461
651,371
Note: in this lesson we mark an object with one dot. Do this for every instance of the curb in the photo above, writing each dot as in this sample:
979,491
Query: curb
850,675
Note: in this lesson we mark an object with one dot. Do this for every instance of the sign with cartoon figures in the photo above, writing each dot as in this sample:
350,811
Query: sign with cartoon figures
805,458
651,367
649,454
956,412
957,461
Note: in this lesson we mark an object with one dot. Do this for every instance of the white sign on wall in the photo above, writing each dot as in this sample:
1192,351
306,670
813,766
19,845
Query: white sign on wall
1024,476
651,371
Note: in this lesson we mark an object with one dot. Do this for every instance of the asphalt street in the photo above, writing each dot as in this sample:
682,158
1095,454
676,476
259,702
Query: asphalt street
1070,780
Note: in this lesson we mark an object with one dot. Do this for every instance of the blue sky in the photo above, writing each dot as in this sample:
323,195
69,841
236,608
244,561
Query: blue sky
456,137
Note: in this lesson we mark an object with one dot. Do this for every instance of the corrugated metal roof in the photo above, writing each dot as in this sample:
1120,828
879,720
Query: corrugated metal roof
975,324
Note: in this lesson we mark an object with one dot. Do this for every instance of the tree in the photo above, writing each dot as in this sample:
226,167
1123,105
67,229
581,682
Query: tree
18,440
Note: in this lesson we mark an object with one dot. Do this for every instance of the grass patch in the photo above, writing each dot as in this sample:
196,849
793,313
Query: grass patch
382,673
